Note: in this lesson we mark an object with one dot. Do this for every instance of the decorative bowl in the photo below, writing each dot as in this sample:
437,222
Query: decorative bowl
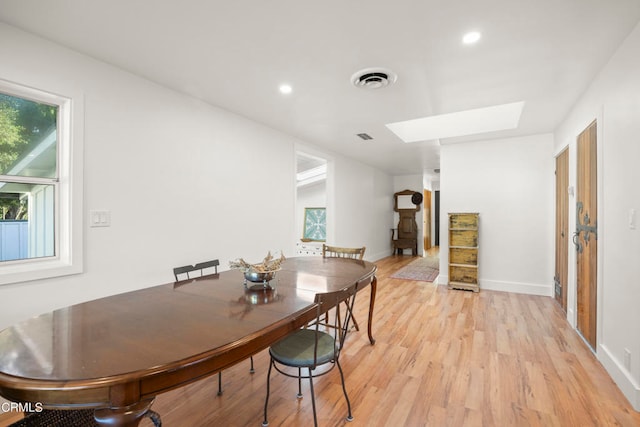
259,277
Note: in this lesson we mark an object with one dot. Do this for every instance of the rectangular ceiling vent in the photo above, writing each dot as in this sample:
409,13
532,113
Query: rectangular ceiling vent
365,136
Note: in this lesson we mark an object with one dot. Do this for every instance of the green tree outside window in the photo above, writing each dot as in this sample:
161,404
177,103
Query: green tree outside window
23,124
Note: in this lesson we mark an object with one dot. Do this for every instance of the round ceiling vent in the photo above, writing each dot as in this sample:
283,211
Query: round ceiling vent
373,78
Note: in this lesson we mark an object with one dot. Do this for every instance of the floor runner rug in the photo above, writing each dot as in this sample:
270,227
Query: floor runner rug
420,269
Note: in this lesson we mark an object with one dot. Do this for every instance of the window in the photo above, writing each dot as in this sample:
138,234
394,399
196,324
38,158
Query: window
37,185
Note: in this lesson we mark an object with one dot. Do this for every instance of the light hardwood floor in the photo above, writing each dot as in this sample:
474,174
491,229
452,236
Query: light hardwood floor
442,358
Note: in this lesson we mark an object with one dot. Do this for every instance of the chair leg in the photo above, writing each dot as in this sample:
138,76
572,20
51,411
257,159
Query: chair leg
251,370
313,399
299,396
154,417
344,389
353,318
265,423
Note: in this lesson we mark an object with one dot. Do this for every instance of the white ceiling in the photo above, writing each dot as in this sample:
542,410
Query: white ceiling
235,54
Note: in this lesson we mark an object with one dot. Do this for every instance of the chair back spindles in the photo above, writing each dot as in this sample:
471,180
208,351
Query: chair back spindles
341,252
200,267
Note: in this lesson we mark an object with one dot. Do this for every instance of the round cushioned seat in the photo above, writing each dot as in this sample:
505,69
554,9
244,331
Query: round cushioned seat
297,349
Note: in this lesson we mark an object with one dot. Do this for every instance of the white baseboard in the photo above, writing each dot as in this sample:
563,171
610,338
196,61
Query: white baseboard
519,288
620,376
374,257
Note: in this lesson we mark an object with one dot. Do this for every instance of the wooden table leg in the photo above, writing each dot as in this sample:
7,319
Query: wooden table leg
372,301
128,416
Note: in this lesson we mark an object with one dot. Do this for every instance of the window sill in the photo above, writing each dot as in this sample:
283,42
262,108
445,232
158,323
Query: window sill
37,270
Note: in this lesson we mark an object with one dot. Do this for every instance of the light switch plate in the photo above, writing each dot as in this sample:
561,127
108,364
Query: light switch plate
99,218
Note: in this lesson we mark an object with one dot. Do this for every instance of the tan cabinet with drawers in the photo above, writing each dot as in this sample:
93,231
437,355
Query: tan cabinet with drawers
463,251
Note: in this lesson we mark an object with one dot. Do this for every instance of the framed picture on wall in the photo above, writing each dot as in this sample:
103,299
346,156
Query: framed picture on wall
315,225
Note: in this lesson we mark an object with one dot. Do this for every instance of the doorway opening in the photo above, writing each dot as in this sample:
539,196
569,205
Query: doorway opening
311,203
560,278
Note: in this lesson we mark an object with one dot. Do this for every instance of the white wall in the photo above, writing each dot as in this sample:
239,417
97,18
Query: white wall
184,181
510,183
614,101
358,211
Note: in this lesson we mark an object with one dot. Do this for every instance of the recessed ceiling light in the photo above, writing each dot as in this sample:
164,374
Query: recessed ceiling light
471,37
285,89
462,123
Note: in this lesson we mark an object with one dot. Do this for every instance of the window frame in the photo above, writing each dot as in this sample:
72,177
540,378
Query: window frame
68,189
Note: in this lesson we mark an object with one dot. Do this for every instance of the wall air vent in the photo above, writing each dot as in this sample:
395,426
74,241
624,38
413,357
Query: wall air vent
365,136
373,78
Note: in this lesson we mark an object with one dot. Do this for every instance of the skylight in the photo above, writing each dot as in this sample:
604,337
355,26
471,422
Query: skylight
311,175
462,123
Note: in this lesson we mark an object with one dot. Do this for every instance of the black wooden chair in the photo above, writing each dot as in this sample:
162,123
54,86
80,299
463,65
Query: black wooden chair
316,349
184,273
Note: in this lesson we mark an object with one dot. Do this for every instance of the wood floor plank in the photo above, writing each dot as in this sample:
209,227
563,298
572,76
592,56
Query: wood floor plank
442,358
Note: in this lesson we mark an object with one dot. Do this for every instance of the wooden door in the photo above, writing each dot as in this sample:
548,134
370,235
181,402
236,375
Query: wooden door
426,225
436,215
585,236
562,229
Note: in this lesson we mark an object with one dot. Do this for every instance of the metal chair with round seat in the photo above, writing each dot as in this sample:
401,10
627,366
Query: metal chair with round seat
315,349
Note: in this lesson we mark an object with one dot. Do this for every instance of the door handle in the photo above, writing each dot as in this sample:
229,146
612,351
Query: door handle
576,238
583,223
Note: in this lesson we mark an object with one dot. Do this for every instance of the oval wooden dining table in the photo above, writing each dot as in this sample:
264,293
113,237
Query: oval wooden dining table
115,354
